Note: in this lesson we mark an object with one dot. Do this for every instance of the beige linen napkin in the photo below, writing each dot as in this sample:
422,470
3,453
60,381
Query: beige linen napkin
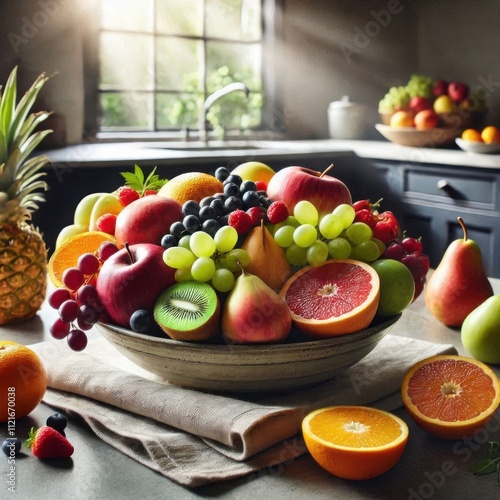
195,437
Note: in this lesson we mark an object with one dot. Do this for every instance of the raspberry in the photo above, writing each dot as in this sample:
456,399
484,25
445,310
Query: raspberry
106,223
241,221
261,186
277,212
149,192
256,214
127,195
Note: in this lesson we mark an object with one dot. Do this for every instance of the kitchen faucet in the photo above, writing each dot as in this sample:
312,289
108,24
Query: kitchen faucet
212,98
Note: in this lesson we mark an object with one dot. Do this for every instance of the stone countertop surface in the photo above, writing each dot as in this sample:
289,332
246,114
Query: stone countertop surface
430,467
168,152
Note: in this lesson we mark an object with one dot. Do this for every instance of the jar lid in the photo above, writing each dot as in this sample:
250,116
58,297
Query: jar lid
344,103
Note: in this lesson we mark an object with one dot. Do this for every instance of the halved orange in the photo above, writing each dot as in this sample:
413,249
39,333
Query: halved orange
334,298
354,442
450,396
67,254
191,186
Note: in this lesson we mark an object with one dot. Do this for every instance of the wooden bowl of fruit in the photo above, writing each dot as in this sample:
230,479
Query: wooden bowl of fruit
410,136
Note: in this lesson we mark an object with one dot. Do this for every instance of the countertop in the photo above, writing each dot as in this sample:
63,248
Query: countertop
93,153
430,467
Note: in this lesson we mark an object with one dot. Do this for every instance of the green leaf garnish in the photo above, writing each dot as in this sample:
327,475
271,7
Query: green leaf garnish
137,181
489,465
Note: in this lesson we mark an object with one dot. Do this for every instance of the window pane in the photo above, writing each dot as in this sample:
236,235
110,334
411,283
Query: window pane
131,110
126,61
172,19
234,19
127,15
178,110
179,64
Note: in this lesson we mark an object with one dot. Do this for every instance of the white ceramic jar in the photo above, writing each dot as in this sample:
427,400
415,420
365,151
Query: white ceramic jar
346,119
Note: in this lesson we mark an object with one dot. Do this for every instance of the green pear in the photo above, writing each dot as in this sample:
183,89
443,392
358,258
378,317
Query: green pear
481,331
459,283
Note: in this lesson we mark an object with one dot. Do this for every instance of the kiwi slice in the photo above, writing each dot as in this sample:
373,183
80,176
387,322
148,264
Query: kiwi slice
188,311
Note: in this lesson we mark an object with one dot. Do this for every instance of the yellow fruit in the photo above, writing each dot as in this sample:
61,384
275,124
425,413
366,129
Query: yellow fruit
490,135
471,135
254,171
191,186
68,232
84,208
443,104
107,203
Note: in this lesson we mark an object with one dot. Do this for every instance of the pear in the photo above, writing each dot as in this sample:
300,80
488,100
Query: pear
459,284
481,331
267,258
254,313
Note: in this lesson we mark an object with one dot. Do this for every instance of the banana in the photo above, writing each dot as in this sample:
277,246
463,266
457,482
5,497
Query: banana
84,208
107,203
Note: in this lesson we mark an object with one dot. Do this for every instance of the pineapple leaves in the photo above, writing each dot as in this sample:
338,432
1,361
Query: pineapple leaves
32,142
8,102
29,126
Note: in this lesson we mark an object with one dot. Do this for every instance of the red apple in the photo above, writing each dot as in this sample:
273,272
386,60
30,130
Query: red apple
147,220
131,279
293,184
419,103
426,119
440,87
458,91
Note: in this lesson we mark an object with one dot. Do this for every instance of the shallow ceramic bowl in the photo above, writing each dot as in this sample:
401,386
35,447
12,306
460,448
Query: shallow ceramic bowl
246,368
478,147
409,136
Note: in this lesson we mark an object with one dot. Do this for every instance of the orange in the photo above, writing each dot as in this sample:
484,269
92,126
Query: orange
67,254
354,442
191,186
450,396
471,134
334,298
490,134
23,380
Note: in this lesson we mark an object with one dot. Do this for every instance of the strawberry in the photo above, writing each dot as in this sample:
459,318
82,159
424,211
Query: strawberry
387,227
366,216
46,442
277,212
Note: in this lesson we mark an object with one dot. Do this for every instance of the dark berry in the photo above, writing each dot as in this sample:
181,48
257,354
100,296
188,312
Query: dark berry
57,421
141,321
250,199
190,208
205,202
207,213
210,226
11,446
231,189
223,220
235,179
218,206
177,229
192,223
233,203
168,241
221,174
248,186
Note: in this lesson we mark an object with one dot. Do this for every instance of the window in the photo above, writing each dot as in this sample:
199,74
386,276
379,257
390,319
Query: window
160,59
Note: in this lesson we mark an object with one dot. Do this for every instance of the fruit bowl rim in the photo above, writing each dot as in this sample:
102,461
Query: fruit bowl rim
477,147
423,138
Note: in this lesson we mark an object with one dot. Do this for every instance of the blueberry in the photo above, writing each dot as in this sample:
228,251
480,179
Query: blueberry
210,226
220,196
248,186
207,213
250,199
141,321
192,223
231,189
235,179
218,206
168,241
221,174
57,421
11,446
190,208
223,220
233,203
176,229
206,201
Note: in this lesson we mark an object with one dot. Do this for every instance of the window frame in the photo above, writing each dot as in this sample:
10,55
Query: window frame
272,118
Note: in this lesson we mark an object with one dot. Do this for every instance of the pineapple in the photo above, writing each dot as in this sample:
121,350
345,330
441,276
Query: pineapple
23,256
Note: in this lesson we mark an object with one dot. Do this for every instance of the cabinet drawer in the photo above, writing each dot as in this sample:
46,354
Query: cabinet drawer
449,188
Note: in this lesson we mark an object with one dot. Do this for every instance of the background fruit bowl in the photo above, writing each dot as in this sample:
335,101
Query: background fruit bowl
409,136
223,367
478,147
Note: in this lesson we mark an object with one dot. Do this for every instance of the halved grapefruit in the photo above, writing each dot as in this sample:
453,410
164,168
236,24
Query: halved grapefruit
334,298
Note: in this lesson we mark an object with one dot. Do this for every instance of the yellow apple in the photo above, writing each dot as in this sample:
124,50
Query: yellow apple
402,119
254,171
443,104
83,210
108,203
68,232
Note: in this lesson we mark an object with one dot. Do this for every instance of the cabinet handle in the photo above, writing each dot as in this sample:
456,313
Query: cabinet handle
448,189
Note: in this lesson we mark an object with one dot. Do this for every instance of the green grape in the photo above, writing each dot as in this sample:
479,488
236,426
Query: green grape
182,275
184,241
381,246
359,232
223,280
306,213
297,256
284,236
367,251
178,257
289,221
304,236
339,248
225,239
235,256
330,226
346,213
202,244
317,253
203,269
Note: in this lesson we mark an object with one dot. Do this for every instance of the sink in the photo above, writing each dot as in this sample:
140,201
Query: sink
214,145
